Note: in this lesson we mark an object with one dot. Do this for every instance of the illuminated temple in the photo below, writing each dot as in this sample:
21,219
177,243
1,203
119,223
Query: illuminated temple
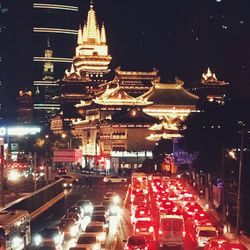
119,120
90,65
211,89
119,130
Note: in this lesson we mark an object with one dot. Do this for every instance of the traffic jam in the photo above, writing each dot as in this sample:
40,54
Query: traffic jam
84,226
165,213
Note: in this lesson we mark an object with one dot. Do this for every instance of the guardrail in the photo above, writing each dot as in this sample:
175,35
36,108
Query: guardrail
37,202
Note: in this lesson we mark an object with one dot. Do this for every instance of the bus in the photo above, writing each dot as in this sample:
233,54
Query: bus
14,229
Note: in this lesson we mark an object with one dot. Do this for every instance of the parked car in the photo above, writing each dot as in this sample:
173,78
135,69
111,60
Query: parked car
114,179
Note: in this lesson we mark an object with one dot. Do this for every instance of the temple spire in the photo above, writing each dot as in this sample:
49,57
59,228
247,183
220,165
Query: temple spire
79,37
103,34
98,39
91,24
84,34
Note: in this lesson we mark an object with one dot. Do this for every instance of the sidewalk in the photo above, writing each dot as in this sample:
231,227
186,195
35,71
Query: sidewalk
245,240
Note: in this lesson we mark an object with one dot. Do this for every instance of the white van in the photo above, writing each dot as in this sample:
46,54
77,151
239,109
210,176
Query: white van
171,230
204,233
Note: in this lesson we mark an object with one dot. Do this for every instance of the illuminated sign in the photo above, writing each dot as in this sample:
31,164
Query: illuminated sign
19,131
131,154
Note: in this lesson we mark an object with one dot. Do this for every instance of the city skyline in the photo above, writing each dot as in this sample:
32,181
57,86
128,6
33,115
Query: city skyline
178,38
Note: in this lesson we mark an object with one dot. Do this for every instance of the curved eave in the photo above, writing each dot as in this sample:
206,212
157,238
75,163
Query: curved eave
119,103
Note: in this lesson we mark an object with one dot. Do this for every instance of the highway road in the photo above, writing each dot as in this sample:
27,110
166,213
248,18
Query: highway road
95,193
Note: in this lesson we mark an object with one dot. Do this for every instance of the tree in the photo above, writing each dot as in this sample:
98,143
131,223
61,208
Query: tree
164,147
211,131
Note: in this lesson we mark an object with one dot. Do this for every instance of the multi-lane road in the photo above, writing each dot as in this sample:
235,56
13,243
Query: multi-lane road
95,194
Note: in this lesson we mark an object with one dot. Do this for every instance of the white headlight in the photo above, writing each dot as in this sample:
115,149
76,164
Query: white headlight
57,239
116,199
73,231
38,240
101,237
16,242
65,184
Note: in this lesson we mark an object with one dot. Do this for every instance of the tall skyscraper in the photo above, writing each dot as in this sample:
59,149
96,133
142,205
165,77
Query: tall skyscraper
55,26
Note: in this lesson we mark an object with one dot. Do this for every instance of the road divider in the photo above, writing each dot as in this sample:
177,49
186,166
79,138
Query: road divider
39,201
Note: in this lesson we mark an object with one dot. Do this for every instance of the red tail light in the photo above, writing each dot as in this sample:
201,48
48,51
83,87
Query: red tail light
183,233
151,229
160,232
137,230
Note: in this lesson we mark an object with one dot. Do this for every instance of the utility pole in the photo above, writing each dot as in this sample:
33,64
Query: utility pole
238,217
35,172
223,200
2,170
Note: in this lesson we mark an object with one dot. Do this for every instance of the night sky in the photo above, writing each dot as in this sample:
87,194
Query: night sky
179,37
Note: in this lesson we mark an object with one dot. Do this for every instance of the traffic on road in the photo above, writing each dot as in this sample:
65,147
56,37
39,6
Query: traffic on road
146,211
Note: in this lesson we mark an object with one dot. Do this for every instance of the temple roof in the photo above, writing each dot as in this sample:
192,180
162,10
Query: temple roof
117,96
133,115
210,78
169,94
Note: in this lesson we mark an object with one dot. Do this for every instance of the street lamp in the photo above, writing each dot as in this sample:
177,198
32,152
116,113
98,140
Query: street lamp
237,230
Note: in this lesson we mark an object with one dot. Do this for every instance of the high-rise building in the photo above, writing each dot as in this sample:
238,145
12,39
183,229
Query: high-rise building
4,27
55,25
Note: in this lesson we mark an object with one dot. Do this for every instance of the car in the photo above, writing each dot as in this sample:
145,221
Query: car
73,215
114,210
76,209
204,233
86,206
217,243
137,242
114,179
70,227
88,241
144,227
49,238
100,218
140,214
98,229
236,246
69,181
100,209
112,197
62,171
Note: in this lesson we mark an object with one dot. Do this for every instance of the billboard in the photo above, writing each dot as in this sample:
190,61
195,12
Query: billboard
68,155
180,155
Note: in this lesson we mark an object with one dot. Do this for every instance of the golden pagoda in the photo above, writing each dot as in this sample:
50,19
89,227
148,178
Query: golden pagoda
91,56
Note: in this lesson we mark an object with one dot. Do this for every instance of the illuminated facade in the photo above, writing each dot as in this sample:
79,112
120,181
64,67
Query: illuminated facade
211,89
25,107
50,55
171,103
114,128
45,90
118,127
135,83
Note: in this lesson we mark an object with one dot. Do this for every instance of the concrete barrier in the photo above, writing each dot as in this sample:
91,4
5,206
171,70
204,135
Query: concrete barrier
39,201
